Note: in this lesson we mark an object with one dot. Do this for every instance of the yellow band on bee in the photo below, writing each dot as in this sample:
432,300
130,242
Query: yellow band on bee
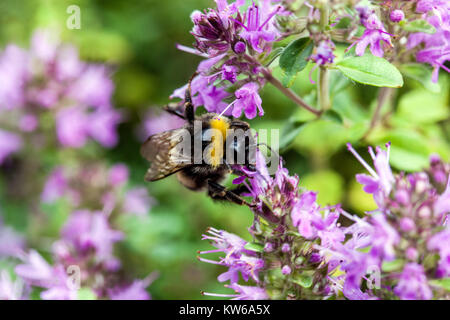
221,125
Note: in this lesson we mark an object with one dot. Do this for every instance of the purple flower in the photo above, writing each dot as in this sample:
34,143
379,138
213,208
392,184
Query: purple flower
155,123
133,291
384,237
215,30
303,213
286,270
364,13
11,242
324,53
436,49
412,284
380,181
138,202
28,123
239,47
9,143
204,94
9,289
258,27
93,87
248,293
87,230
13,76
237,259
44,45
229,73
268,247
71,127
373,36
68,65
55,186
441,242
74,125
242,293
355,264
37,272
102,125
248,100
118,174
442,204
50,76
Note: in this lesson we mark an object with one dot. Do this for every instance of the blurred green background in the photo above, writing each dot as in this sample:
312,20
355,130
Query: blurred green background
137,38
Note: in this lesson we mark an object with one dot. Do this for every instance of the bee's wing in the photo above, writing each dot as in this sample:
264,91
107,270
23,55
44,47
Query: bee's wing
160,149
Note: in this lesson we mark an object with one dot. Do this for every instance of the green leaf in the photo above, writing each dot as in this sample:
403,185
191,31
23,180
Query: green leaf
371,70
343,23
417,26
328,184
422,74
86,294
293,59
289,132
252,246
275,53
410,150
443,283
332,115
421,106
303,280
389,266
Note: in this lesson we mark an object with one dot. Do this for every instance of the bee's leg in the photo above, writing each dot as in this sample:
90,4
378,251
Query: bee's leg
188,106
239,172
219,192
189,109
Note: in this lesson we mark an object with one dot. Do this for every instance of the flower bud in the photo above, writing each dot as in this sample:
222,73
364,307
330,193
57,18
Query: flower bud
286,270
407,224
268,247
411,253
397,15
239,47
285,247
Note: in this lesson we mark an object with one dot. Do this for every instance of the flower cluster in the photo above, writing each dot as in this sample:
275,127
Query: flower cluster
238,260
97,187
436,47
402,238
400,250
289,232
229,37
83,257
50,81
374,34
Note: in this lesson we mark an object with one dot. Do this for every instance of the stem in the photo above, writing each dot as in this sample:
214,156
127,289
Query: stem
289,93
324,77
323,88
286,91
383,96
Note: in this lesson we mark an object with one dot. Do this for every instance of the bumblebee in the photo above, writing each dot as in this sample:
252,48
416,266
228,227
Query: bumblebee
164,152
